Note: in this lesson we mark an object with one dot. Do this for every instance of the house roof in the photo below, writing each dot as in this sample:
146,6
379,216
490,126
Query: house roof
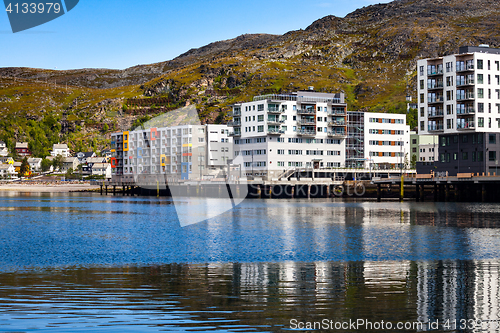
69,159
101,165
96,159
106,151
22,145
34,160
60,146
17,164
6,166
50,158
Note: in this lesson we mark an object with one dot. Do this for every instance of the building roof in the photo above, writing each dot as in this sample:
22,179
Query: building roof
60,146
69,159
21,145
50,158
17,164
96,159
6,166
101,165
34,160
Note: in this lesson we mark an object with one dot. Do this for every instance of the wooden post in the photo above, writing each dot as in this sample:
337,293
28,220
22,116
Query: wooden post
422,193
308,191
106,187
402,188
259,192
101,189
379,193
447,192
483,192
435,192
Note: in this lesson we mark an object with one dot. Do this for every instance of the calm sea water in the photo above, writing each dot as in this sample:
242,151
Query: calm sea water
76,262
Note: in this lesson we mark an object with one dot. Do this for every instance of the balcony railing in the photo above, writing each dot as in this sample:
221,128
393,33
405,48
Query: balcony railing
336,123
306,111
435,127
466,111
468,67
306,132
275,131
236,112
235,134
435,72
435,86
306,122
435,113
465,83
438,99
466,125
275,110
336,133
234,123
275,121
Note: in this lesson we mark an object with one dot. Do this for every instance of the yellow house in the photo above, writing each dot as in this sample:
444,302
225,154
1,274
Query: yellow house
17,165
6,160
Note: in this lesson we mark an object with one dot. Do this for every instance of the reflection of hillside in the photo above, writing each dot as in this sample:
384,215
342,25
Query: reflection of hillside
254,294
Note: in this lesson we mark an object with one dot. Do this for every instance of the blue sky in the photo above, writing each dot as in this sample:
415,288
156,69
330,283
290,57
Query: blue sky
124,33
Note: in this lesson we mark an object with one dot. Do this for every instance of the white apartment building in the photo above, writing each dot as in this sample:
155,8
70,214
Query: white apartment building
179,152
60,149
4,151
281,132
377,140
460,92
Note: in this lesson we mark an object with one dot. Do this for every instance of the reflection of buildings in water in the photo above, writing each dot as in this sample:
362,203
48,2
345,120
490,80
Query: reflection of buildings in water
455,290
386,274
487,292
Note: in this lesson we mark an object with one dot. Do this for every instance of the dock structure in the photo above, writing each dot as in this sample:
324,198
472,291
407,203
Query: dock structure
482,187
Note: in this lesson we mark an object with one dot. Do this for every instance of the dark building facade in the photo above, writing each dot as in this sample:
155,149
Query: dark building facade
464,153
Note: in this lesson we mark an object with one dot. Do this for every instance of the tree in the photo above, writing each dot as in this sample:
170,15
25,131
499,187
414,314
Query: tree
46,164
24,169
58,162
413,161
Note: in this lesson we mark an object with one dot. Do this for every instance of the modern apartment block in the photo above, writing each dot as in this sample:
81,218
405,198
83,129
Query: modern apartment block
182,152
377,140
281,132
459,100
460,93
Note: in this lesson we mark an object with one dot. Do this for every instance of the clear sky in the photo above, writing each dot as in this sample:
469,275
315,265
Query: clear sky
124,33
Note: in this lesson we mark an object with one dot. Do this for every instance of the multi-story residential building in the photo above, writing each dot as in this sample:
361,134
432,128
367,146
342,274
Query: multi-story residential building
279,132
179,152
459,99
424,148
377,140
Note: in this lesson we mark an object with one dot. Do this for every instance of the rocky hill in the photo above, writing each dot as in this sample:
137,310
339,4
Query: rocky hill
370,55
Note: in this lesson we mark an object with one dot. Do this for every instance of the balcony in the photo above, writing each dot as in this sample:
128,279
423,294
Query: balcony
336,123
466,111
336,134
275,110
306,122
306,132
435,128
469,82
467,97
435,86
236,134
234,123
275,131
438,99
466,125
467,67
306,111
275,121
436,113
435,72
236,112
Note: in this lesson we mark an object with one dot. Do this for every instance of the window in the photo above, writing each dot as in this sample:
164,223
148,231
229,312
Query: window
421,70
260,117
422,126
422,112
480,122
465,156
294,109
480,78
449,109
492,139
449,81
260,107
480,93
260,128
480,107
281,152
421,84
465,138
294,118
479,64
422,98
449,95
492,156
489,79
414,141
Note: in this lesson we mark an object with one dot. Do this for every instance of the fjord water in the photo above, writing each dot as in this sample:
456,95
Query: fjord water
82,262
